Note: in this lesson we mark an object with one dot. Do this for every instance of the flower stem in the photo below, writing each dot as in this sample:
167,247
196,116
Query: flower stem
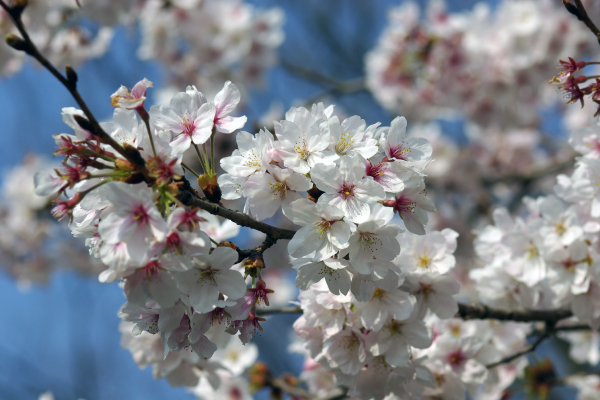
191,170
202,163
146,118
212,147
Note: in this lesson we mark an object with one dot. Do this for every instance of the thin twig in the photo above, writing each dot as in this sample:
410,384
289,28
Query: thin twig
545,335
583,17
282,310
94,127
191,199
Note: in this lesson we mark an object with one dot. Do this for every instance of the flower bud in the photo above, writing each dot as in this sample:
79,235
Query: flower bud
229,244
257,376
253,266
71,75
18,6
210,187
314,194
16,42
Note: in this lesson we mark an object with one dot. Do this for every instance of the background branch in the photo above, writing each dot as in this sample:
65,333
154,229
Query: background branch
584,17
545,335
479,311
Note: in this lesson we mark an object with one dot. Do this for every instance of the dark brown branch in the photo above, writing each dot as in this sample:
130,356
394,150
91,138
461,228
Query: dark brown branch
350,86
479,311
283,310
257,251
583,17
70,83
299,392
187,197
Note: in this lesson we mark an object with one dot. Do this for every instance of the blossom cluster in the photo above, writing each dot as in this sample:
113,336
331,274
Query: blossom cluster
477,63
201,41
342,182
32,246
370,340
550,258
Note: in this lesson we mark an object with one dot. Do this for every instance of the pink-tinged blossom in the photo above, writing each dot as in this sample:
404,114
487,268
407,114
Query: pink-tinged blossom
584,346
232,187
397,147
122,98
587,141
179,239
152,282
567,68
395,338
48,183
253,297
323,309
251,156
125,128
144,317
346,350
303,140
351,138
462,357
267,192
208,275
246,328
373,245
390,175
383,304
135,220
411,205
225,102
425,254
322,233
433,292
346,189
189,119
333,270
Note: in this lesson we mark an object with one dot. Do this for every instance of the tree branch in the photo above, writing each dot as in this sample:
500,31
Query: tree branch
545,335
283,310
583,17
350,86
257,251
190,198
70,83
479,311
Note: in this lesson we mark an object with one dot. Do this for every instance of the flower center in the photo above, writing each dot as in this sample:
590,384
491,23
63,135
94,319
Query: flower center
344,144
347,191
302,151
424,261
188,127
376,171
323,227
369,239
404,205
398,152
140,215
279,190
456,358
